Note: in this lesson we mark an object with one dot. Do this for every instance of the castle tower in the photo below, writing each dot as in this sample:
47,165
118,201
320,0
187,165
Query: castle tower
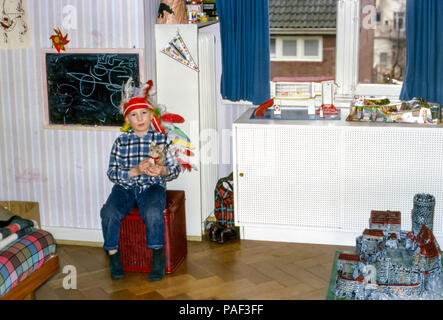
422,212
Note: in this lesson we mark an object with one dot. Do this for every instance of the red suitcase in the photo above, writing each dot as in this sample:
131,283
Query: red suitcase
132,243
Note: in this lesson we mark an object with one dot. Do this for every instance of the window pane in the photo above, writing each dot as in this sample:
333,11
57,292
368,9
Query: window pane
303,21
398,20
289,47
272,47
382,51
383,59
311,48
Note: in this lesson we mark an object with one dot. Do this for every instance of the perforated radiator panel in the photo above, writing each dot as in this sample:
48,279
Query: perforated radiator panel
283,185
208,121
332,177
385,168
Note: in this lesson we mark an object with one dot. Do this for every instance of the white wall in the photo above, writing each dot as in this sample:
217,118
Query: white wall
226,113
63,170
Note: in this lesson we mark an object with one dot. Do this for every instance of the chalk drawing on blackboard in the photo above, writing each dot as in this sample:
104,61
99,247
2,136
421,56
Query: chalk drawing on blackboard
85,88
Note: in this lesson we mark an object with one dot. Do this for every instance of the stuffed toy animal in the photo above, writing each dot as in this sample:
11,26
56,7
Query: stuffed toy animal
157,154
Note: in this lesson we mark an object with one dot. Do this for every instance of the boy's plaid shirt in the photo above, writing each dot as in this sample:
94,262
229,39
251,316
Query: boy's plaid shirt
129,150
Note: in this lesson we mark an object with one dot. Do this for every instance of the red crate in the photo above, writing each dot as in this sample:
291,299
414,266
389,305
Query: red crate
132,243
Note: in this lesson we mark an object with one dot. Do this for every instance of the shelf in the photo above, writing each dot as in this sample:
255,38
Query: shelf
206,23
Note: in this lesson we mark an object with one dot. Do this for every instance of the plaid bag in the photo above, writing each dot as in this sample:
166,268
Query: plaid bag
224,201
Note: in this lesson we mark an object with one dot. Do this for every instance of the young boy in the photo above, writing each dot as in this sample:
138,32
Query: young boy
137,182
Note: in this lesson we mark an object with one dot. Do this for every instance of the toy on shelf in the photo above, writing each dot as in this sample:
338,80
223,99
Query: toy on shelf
273,110
261,109
300,101
327,106
381,109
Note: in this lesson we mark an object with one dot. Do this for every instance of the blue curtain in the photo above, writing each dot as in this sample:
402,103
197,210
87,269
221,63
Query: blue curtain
424,49
244,31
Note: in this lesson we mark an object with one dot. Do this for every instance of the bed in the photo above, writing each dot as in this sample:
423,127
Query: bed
29,257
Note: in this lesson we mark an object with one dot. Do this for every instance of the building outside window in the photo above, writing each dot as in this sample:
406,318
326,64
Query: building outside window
387,42
303,39
360,44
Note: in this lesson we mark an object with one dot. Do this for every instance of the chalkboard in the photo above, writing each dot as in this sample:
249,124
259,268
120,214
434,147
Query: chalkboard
84,88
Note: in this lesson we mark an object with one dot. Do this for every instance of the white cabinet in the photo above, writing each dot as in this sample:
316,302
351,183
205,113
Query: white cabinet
317,181
192,94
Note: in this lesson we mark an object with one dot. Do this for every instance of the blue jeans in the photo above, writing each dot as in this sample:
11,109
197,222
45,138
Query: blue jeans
151,204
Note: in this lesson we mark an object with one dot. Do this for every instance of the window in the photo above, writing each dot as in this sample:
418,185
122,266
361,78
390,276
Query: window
399,18
297,48
383,59
289,48
371,56
272,48
311,48
378,19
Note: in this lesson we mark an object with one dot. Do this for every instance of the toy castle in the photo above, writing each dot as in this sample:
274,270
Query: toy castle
392,264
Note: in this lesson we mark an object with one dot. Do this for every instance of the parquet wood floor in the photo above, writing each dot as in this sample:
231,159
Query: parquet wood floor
244,269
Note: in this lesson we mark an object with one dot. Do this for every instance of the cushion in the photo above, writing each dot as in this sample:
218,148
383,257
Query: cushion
5,214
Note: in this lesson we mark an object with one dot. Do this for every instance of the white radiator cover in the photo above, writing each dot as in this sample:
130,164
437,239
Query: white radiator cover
318,182
208,121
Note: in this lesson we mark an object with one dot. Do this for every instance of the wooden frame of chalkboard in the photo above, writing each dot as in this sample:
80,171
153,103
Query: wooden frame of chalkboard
82,87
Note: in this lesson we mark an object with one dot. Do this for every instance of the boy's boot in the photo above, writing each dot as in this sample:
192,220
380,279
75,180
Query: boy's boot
158,265
115,263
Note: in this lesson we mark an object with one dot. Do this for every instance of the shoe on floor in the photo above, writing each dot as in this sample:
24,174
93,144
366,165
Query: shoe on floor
158,265
115,263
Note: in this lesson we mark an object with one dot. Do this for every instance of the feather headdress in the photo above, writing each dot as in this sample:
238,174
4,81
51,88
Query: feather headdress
162,121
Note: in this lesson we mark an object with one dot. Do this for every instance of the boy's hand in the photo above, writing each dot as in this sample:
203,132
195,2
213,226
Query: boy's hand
153,170
142,168
146,167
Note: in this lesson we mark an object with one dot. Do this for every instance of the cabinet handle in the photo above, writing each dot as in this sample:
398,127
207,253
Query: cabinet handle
241,174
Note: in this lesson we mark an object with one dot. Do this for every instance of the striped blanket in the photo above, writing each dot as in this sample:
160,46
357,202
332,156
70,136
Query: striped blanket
20,233
13,225
23,257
